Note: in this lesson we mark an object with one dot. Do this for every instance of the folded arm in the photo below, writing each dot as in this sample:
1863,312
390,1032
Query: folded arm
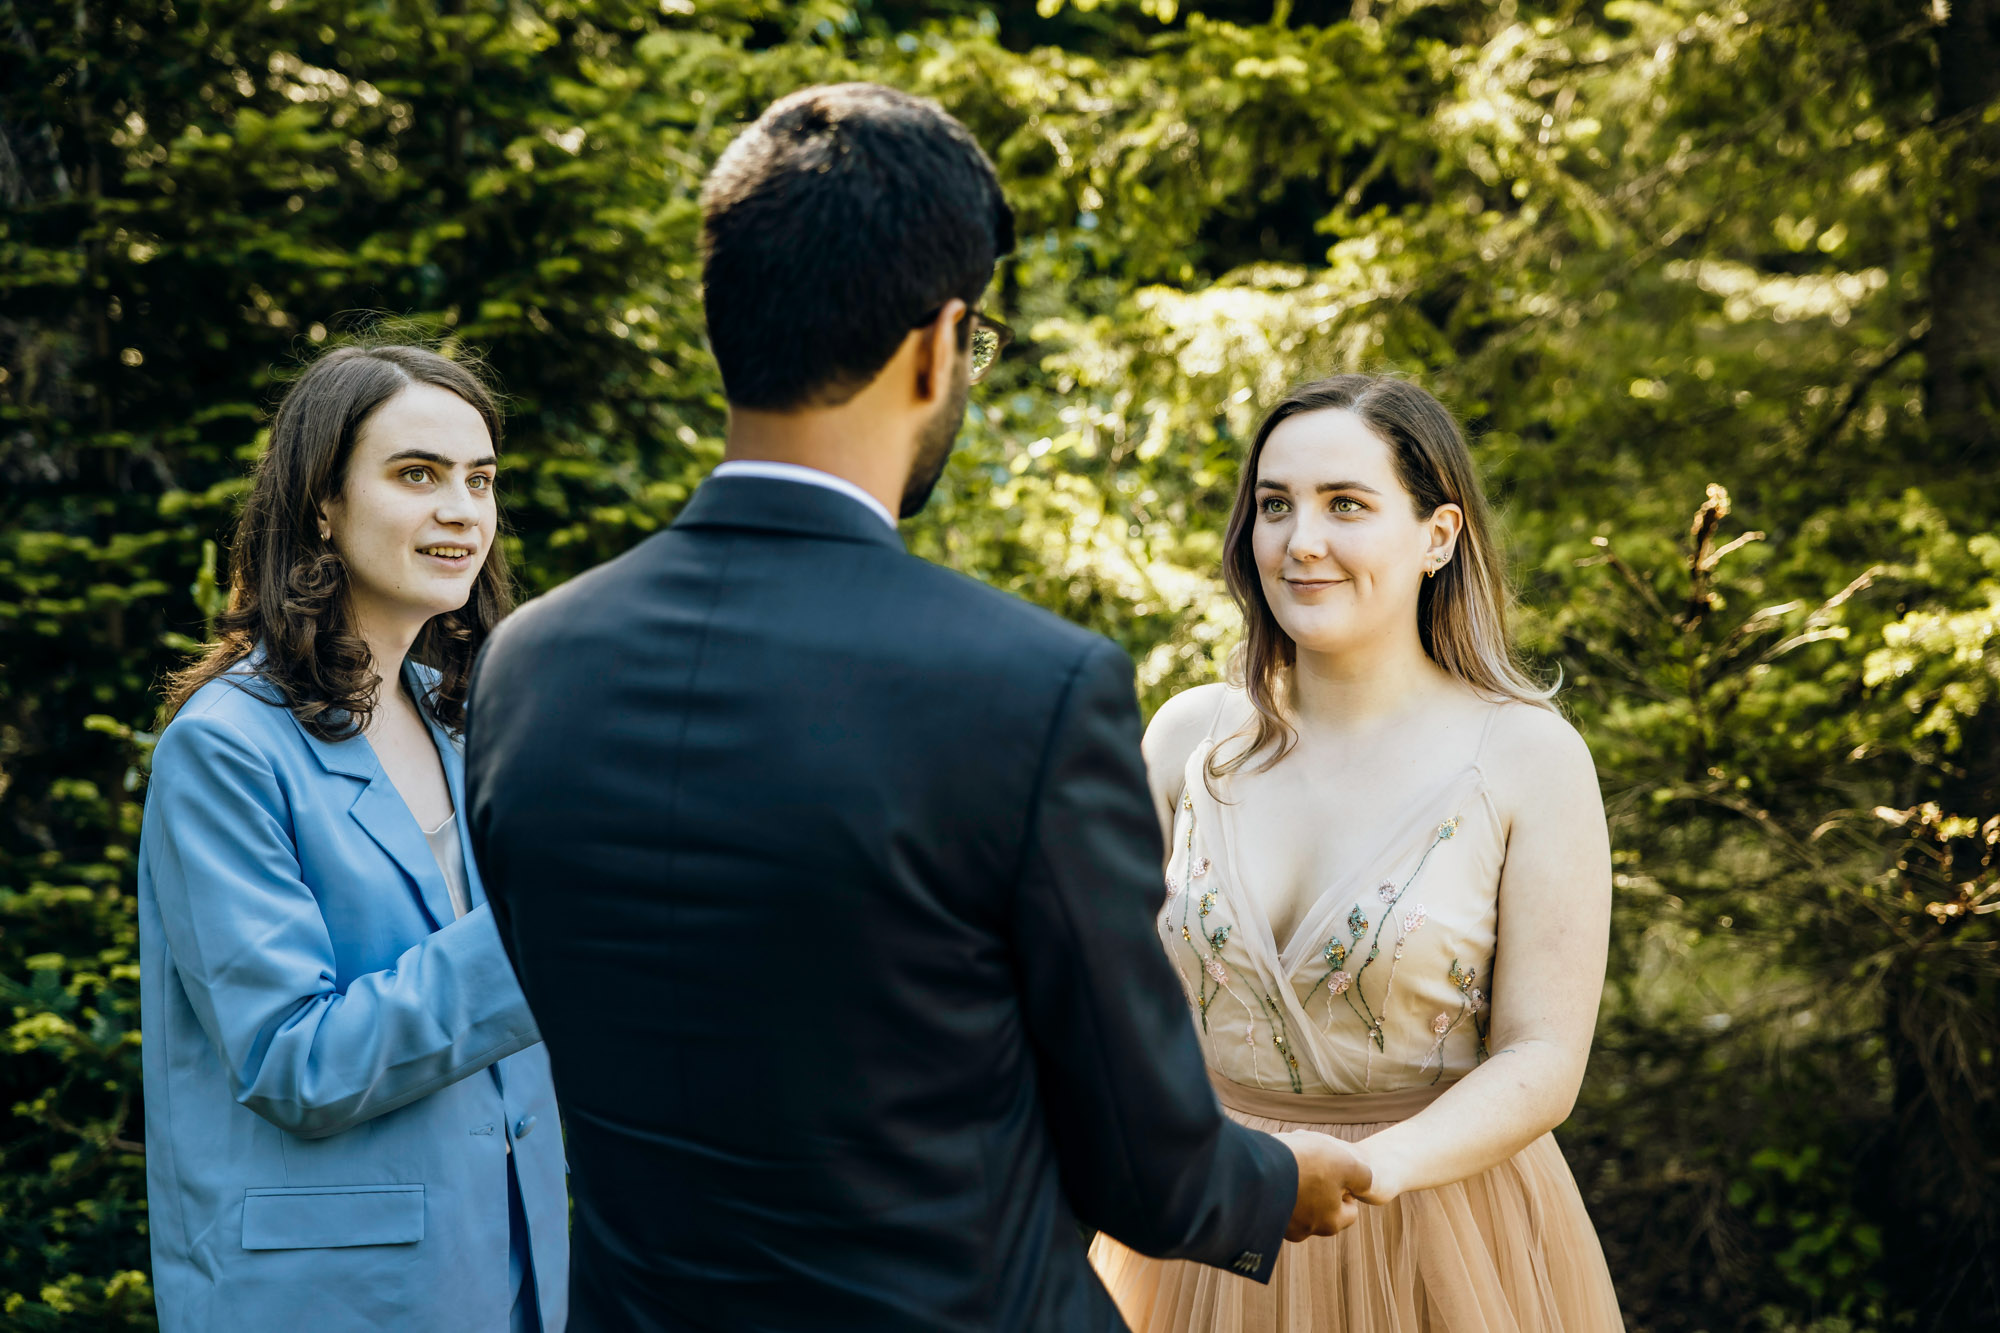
255,958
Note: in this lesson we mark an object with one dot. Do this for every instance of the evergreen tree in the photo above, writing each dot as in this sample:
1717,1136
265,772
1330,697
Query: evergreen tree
1645,248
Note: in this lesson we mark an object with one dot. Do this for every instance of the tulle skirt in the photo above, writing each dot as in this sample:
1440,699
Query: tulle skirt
1510,1250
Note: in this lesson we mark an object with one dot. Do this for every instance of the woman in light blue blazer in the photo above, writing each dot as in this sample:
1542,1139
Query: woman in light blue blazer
349,1117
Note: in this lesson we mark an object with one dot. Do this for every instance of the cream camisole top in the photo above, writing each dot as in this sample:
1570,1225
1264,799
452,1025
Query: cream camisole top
451,862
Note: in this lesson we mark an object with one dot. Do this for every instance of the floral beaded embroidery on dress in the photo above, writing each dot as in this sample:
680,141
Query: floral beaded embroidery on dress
1380,987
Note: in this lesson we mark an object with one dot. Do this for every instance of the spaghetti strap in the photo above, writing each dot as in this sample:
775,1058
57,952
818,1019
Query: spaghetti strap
1221,700
1485,730
1198,757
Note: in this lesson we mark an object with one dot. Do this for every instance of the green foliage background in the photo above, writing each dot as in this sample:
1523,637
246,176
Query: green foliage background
1717,287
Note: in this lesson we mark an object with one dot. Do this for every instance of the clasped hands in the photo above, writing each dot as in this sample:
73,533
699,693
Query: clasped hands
1334,1181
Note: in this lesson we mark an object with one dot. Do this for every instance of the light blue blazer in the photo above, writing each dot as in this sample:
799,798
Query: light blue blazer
334,1068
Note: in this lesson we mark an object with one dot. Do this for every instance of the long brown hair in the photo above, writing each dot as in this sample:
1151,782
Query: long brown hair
288,593
1461,612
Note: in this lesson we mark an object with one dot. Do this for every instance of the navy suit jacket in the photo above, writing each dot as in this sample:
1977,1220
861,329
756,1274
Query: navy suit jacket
831,876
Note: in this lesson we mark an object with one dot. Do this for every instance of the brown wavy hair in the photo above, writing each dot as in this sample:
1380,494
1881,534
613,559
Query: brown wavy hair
288,593
1461,611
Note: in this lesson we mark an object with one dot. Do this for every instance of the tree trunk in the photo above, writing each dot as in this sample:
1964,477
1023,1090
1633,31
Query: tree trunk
1962,375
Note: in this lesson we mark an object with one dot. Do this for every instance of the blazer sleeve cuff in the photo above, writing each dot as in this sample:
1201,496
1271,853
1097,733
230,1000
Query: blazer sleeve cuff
1259,1255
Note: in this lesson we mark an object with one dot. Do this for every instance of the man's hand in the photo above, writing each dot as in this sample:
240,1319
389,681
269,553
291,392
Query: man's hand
1331,1175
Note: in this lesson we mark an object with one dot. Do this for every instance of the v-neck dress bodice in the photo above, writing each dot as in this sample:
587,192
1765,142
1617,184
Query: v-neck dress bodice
1383,985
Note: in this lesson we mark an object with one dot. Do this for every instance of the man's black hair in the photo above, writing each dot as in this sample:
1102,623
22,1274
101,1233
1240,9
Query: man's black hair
833,224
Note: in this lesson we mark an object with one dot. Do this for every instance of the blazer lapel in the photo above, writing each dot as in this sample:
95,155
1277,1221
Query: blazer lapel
382,813
381,810
454,778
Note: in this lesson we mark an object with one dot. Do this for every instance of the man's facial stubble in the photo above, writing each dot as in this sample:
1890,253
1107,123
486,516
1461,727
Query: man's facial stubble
934,449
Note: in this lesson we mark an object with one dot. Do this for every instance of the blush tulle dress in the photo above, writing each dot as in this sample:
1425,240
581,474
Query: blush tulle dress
1370,1011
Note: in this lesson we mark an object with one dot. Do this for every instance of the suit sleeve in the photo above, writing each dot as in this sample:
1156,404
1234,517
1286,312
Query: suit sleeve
257,962
1146,1152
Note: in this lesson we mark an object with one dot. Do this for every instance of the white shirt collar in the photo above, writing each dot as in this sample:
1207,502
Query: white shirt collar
811,476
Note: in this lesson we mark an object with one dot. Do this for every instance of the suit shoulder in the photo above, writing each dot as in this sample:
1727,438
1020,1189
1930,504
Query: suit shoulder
574,603
1007,618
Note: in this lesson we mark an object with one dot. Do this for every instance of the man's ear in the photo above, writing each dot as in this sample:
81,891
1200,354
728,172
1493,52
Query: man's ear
938,353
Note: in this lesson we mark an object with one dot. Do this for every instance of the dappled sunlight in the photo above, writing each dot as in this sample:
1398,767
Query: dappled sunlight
1752,294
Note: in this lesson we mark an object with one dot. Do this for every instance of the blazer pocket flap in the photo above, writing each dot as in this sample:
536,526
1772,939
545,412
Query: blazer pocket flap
330,1216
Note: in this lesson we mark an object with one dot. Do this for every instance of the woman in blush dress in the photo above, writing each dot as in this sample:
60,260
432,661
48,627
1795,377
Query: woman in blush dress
1388,891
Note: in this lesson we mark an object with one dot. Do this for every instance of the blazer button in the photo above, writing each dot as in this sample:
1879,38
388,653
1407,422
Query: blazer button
523,1126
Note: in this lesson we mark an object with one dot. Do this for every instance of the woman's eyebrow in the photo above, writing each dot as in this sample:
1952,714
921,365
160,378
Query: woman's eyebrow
426,456
1322,488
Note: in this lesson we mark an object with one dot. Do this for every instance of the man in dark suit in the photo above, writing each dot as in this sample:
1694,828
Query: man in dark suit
831,875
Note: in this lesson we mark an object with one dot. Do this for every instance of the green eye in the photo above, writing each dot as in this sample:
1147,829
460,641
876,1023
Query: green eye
1354,506
416,474
1270,504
